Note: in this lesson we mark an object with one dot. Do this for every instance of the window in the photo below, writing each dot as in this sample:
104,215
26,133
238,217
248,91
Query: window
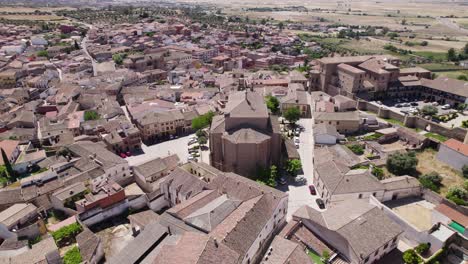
374,194
360,195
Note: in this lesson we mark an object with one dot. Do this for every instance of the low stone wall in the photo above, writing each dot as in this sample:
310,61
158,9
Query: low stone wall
414,121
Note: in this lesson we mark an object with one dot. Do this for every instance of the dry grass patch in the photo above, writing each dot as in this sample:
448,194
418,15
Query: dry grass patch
429,163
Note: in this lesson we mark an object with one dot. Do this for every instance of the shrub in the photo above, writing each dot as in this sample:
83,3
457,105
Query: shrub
431,181
356,149
402,163
465,171
66,233
422,248
429,110
378,172
72,256
43,53
410,257
373,137
293,166
457,195
91,115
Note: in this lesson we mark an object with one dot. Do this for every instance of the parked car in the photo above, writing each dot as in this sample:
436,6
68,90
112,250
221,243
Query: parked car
446,106
192,141
128,153
296,144
320,203
379,102
282,181
435,103
398,105
296,139
193,151
406,104
190,157
171,137
414,104
123,156
312,189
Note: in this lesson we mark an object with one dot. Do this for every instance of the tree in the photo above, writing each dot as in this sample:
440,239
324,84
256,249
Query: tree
429,110
281,25
410,257
267,176
325,256
42,53
465,49
342,33
431,181
9,169
462,77
465,171
293,166
272,104
402,163
451,55
118,59
457,195
292,114
202,121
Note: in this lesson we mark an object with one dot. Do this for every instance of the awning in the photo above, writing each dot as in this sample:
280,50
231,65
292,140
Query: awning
459,228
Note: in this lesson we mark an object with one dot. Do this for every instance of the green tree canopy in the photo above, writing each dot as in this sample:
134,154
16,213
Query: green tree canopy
429,110
202,121
431,181
293,166
451,55
272,104
402,163
292,114
410,257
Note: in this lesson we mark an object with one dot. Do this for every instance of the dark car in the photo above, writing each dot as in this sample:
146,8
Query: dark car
414,104
128,153
312,190
320,203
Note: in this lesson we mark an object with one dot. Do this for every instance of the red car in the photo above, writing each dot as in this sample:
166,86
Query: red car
312,190
123,156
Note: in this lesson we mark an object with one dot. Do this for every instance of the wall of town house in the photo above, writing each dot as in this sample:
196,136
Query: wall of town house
271,227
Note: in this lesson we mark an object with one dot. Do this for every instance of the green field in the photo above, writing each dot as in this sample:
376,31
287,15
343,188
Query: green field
315,257
452,74
436,67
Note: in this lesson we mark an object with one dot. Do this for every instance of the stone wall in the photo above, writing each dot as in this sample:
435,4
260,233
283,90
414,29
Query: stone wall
414,121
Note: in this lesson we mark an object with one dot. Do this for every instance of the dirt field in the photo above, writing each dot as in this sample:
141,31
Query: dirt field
23,9
417,213
428,163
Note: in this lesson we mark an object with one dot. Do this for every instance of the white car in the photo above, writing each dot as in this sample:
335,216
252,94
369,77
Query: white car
435,103
445,107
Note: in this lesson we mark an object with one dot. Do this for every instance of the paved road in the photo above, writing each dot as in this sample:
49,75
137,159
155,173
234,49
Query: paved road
160,150
299,195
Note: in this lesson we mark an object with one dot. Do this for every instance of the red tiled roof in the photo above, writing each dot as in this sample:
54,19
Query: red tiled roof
457,146
9,147
453,214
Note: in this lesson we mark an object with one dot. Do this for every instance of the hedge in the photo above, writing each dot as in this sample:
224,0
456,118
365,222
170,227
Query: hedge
72,256
66,233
